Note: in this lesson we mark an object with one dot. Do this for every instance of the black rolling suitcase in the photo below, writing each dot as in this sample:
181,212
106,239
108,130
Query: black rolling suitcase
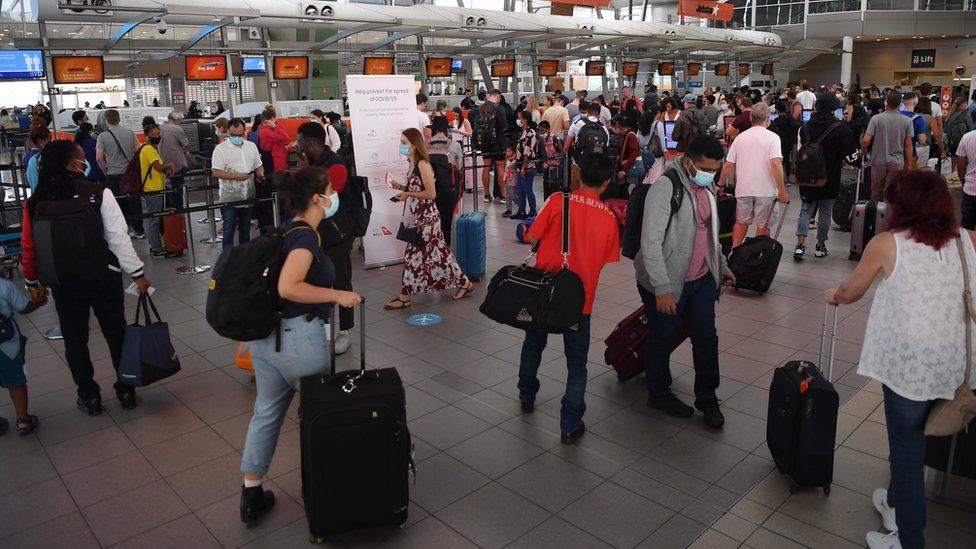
755,262
802,418
356,449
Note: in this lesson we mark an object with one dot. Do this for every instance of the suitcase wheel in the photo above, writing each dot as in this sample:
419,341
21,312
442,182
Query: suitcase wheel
317,540
854,256
794,487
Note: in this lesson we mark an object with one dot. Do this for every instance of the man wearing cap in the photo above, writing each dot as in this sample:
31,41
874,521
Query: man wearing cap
691,123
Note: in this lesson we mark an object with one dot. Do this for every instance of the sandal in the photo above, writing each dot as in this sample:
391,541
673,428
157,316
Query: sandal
26,425
463,292
397,303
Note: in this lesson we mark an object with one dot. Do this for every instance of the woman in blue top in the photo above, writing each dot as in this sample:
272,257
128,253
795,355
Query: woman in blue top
254,136
85,140
306,297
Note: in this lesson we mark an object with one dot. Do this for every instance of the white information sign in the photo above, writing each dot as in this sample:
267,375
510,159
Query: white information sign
380,107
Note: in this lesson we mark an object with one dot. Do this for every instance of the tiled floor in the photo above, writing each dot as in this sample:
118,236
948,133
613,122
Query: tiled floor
166,474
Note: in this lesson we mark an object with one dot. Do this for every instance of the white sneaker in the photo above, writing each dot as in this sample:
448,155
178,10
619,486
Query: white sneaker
880,499
342,342
877,540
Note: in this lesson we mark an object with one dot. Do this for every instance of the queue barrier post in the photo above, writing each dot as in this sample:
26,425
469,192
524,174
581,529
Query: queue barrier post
275,213
214,237
193,268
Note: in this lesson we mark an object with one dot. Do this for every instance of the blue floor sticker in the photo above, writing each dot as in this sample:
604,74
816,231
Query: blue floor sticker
424,319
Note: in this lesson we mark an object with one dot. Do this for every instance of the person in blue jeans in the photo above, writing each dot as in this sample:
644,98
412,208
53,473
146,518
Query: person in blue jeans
306,298
680,268
525,153
594,241
915,342
236,163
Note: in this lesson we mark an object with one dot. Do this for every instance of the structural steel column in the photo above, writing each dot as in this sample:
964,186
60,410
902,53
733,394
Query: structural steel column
535,78
232,95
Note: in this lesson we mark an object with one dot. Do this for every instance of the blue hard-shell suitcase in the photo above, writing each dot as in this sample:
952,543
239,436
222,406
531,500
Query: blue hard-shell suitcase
471,244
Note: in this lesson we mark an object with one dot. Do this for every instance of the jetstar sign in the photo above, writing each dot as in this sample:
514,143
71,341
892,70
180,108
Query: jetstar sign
705,9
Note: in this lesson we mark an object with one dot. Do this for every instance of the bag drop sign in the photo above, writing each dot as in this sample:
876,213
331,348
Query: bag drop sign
923,59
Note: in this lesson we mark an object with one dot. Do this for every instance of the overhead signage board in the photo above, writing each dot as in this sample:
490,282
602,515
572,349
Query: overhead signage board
290,67
78,69
767,69
694,69
587,3
439,66
596,68
923,59
705,9
206,67
722,69
21,64
665,68
744,69
502,68
629,68
378,66
548,67
253,64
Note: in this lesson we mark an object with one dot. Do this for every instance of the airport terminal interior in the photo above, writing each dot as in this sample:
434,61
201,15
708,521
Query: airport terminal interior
440,441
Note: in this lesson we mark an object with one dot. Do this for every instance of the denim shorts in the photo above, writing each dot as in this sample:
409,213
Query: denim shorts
12,373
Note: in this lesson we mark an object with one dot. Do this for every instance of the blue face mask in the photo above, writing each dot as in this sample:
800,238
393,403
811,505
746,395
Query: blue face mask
703,178
237,140
87,168
333,205
404,149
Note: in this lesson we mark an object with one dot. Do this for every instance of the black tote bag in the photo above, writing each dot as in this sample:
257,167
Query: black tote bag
532,299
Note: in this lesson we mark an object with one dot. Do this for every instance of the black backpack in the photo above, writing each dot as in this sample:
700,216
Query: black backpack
697,125
445,174
592,138
69,239
957,129
485,130
242,301
630,241
358,202
809,163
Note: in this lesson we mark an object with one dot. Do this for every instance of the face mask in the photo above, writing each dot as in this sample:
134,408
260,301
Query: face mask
154,140
703,178
544,135
333,205
404,149
518,123
237,140
724,106
87,168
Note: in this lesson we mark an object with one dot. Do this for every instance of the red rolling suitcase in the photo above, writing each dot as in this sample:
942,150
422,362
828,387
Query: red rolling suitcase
174,233
626,344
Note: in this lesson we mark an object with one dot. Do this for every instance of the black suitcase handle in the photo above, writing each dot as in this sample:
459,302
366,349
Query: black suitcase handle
833,341
351,380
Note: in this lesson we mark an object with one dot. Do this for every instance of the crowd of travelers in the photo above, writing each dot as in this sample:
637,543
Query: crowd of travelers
682,153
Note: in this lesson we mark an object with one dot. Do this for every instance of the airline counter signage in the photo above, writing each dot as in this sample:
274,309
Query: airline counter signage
596,68
548,67
206,67
438,66
290,68
78,70
629,68
705,9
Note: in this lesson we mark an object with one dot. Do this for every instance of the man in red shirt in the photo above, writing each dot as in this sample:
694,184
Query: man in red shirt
594,241
742,122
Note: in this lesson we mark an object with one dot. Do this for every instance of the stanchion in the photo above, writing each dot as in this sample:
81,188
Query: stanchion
214,237
275,214
193,268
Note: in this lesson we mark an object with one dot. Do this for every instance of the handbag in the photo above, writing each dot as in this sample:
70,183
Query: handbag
532,299
147,352
948,417
410,235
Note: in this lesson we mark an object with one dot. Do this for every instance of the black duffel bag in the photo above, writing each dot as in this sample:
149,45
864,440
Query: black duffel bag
532,299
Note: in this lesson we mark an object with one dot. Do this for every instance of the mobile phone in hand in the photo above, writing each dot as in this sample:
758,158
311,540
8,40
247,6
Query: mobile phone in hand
394,199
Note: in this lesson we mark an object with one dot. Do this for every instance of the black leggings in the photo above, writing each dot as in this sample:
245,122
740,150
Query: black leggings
340,255
968,212
445,203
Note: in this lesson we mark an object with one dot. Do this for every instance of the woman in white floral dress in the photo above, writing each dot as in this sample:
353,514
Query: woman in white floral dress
428,266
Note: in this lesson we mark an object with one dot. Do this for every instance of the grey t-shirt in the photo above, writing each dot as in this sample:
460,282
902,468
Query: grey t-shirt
890,129
573,111
117,160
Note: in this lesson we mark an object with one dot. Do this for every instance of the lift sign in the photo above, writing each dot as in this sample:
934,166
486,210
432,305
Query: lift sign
923,59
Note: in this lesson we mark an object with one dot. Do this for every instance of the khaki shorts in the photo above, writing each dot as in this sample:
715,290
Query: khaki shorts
758,209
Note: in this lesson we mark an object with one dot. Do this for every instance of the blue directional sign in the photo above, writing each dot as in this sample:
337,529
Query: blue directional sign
424,319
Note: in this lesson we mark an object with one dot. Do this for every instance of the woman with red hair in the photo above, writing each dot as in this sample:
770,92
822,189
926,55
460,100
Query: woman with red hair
915,343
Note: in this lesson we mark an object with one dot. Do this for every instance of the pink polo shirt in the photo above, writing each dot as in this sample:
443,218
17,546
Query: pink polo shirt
703,212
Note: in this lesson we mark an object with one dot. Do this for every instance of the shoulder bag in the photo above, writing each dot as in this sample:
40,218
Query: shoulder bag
948,417
410,235
529,298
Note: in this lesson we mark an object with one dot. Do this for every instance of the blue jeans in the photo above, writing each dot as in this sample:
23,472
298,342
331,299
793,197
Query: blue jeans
825,210
304,352
523,186
576,345
906,443
697,307
236,218
153,204
636,172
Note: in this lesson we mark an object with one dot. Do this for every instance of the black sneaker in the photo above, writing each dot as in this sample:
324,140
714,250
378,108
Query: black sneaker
173,255
255,502
799,252
571,438
713,415
821,250
528,406
507,213
520,216
671,405
158,252
127,400
90,406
